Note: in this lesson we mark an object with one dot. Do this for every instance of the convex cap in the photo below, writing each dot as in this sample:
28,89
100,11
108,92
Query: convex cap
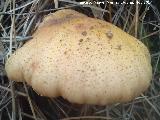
84,60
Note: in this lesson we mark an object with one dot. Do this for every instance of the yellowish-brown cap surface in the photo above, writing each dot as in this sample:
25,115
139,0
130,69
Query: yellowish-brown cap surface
84,60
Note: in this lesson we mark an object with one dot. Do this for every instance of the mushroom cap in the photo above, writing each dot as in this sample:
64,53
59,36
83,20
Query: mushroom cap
84,60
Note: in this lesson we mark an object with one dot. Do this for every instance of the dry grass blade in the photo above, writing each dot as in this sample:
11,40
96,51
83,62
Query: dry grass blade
85,5
151,34
30,102
12,36
88,117
56,3
13,101
136,19
156,110
16,92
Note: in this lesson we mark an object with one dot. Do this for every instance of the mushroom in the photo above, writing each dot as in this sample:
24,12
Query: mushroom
84,60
